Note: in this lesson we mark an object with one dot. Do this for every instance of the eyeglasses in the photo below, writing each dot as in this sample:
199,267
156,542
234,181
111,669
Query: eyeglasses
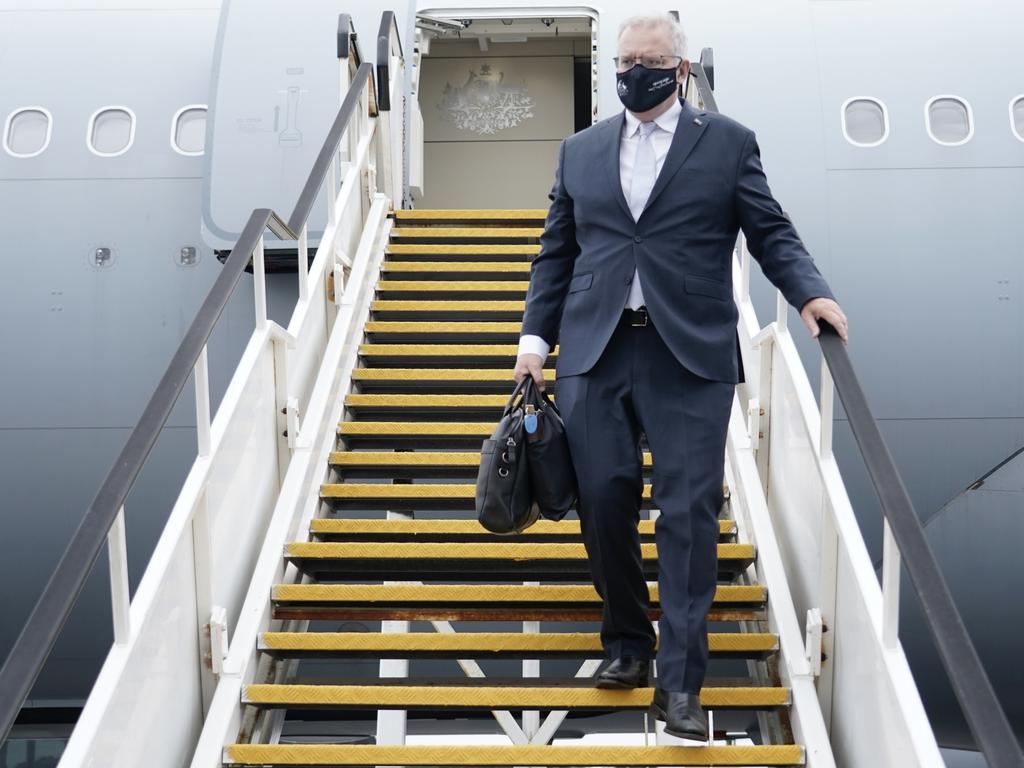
655,61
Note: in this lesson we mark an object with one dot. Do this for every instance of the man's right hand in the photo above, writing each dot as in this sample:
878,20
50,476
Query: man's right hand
530,364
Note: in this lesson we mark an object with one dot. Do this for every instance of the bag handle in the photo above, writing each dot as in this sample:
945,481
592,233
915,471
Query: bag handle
539,397
515,392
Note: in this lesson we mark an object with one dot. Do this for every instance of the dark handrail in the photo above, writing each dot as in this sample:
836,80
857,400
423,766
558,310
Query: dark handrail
707,95
387,21
985,716
347,41
37,638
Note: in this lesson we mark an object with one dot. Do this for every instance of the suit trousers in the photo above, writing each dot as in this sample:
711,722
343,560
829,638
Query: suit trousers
637,385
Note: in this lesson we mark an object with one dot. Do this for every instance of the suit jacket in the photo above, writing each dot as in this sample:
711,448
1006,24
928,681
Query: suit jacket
710,185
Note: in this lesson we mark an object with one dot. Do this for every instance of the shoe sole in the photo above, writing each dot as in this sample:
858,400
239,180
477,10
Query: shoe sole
616,685
659,714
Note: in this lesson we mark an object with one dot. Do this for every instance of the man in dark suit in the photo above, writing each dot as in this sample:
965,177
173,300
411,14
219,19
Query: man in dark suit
634,282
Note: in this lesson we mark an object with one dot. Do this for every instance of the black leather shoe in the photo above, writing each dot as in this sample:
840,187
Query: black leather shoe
625,672
681,713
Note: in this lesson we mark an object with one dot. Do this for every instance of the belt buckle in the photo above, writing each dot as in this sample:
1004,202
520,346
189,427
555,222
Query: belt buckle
643,312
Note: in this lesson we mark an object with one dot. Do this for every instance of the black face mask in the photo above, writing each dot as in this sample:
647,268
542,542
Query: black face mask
641,89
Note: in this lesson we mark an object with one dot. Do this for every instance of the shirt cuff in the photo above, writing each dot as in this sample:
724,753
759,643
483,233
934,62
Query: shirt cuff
530,343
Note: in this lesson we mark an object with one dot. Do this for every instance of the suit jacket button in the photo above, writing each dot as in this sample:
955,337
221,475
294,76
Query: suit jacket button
637,239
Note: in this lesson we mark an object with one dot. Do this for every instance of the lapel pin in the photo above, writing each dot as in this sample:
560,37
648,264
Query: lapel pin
696,121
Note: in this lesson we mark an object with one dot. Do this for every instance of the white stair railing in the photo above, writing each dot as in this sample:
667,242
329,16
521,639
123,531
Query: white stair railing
823,567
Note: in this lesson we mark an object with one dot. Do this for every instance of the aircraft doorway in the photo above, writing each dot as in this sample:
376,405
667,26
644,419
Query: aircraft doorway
497,96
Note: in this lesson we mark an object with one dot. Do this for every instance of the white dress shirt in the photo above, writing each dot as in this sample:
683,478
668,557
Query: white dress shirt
628,142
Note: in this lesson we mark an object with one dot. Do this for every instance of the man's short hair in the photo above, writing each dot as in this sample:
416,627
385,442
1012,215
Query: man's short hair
666,19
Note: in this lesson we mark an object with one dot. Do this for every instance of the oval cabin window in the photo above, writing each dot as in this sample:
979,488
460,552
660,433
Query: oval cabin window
27,132
865,121
188,131
949,120
111,131
1017,117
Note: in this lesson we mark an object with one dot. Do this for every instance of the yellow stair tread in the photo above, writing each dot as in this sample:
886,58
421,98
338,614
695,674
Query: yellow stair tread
450,350
509,249
350,525
492,697
470,213
432,326
438,286
454,401
441,305
417,550
504,755
481,232
418,458
409,490
480,593
445,374
488,642
415,428
456,266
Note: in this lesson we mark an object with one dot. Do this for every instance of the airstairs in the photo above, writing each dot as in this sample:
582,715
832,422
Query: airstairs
329,517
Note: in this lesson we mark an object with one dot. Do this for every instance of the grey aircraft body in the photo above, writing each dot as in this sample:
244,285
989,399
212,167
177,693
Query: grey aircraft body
138,136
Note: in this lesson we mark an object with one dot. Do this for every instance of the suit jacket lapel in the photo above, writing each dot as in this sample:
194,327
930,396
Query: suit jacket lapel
684,139
611,144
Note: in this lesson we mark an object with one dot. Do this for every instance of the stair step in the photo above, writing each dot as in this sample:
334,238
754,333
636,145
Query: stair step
441,380
373,755
415,464
407,405
473,561
449,309
431,269
420,496
469,697
456,252
453,530
478,215
451,289
408,233
425,434
434,354
479,645
480,602
449,331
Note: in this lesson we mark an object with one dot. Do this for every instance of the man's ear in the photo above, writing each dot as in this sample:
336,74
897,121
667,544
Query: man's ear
682,76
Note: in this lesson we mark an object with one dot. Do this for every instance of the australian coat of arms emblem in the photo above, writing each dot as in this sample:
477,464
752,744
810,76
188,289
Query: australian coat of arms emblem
483,104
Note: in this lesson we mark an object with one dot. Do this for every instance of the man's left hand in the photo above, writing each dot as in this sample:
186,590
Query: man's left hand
824,309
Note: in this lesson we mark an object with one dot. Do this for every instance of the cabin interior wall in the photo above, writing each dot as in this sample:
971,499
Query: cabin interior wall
502,157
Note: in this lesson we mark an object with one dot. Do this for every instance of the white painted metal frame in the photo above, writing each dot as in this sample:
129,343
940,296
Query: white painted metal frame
818,562
205,593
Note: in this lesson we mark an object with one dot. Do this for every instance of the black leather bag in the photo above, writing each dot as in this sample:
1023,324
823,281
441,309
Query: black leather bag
504,502
552,476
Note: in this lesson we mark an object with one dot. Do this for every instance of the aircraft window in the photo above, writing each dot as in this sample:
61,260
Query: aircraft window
111,131
949,120
1017,117
188,130
865,121
27,132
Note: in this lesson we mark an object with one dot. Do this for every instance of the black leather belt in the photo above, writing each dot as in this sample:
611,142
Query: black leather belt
635,317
